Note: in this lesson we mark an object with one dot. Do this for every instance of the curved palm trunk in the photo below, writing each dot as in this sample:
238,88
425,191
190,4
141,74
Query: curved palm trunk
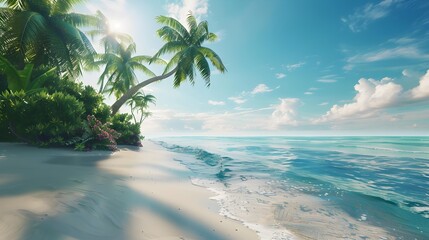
118,104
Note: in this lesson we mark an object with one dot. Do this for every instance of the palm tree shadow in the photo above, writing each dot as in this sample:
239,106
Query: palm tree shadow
94,204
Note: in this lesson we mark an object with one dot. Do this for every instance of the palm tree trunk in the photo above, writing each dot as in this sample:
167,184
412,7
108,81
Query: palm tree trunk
118,104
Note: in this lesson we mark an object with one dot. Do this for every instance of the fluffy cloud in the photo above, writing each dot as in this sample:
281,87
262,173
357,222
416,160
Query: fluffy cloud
180,10
261,88
170,122
216,103
360,19
280,75
422,90
373,96
285,113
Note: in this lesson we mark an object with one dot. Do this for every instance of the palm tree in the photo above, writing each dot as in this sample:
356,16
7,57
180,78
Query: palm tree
188,54
120,69
24,79
110,40
139,103
46,32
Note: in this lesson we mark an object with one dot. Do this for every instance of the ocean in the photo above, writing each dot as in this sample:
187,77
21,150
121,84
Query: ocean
315,187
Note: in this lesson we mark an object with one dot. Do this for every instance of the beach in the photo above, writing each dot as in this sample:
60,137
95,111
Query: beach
269,188
135,193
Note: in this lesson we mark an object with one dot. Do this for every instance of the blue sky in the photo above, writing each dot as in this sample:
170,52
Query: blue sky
302,67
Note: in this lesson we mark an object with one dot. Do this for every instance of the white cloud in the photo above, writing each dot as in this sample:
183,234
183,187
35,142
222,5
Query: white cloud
348,67
373,96
216,103
261,88
280,75
411,74
402,40
323,104
360,19
170,122
238,100
331,78
313,89
327,80
409,52
295,66
308,93
422,90
181,10
285,113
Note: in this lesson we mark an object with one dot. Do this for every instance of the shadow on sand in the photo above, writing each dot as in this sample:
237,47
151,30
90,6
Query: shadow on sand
91,203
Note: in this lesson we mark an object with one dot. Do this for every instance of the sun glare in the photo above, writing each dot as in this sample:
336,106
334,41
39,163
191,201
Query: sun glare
115,26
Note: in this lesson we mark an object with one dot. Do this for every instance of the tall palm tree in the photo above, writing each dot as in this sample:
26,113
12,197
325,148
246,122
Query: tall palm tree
120,67
139,104
188,54
46,32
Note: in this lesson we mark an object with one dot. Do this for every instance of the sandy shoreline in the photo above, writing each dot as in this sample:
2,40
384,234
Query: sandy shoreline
131,194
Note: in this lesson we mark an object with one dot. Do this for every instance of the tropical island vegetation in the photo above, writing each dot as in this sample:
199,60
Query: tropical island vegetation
45,49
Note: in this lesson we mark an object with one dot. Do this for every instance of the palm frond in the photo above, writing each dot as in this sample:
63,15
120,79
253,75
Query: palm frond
79,20
203,67
170,47
213,57
16,4
26,28
171,22
64,6
173,62
192,23
144,69
169,34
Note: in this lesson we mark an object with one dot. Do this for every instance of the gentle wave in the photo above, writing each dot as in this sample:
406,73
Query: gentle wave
389,184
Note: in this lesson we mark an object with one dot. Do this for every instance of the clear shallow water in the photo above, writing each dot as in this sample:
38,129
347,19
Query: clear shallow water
316,187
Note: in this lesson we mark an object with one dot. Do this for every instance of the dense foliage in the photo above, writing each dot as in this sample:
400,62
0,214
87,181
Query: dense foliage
130,132
43,51
42,118
45,33
65,113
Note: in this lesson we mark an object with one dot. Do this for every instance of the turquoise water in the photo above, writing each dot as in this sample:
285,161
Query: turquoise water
378,187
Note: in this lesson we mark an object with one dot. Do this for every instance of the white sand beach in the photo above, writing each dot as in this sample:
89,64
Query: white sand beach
131,194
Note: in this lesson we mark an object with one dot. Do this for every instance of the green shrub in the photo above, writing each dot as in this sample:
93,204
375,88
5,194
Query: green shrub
42,119
130,132
93,101
64,113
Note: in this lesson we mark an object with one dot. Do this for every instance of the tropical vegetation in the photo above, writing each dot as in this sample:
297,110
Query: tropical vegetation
43,53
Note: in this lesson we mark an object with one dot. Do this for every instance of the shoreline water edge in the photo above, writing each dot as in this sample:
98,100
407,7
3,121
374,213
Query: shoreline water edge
277,188
136,193
315,187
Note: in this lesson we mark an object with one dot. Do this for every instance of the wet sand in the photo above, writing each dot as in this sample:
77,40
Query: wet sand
131,194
